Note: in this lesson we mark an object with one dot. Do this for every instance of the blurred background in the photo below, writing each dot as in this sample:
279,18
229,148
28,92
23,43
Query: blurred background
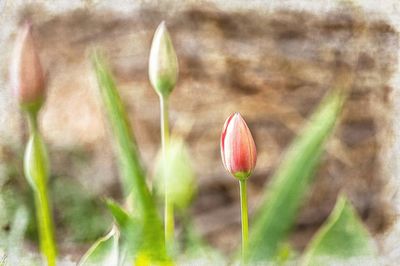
272,62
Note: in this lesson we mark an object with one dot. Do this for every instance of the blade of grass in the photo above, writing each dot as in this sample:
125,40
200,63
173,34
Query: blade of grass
283,197
127,152
133,175
341,238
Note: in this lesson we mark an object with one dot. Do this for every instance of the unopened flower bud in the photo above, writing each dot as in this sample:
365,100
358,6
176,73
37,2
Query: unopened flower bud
238,149
26,74
163,63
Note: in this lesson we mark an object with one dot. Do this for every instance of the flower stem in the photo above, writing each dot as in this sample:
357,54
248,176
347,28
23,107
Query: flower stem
169,208
245,223
45,223
36,167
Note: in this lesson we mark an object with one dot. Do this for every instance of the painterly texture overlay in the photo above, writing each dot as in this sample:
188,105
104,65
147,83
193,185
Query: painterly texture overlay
272,67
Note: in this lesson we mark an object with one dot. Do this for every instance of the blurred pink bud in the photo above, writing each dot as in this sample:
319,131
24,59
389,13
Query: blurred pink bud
26,74
238,149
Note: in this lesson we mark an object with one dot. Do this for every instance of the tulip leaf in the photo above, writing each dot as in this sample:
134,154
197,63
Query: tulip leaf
131,231
133,175
177,169
122,218
132,172
284,194
104,251
341,239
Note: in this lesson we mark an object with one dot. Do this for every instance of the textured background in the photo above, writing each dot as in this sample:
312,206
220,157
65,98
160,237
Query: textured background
271,62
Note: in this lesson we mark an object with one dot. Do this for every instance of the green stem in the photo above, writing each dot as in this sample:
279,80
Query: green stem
46,232
36,167
164,124
244,213
169,208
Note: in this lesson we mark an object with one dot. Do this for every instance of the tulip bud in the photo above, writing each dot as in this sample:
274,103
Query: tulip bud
26,75
163,63
238,150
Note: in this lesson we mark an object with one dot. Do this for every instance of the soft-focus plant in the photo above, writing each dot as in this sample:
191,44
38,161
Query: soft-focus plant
29,86
340,239
285,191
11,245
176,169
143,224
163,74
138,235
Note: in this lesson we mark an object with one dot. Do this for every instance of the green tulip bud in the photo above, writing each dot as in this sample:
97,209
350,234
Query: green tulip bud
163,62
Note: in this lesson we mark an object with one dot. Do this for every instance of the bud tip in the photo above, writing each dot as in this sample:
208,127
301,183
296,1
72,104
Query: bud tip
26,74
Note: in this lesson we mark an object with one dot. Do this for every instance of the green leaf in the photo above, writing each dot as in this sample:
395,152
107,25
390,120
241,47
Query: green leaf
341,239
136,239
104,251
284,195
133,175
177,169
122,218
81,210
131,229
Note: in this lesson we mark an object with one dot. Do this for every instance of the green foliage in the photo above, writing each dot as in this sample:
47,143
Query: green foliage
152,241
116,248
104,252
81,211
342,238
16,235
11,199
194,248
11,243
131,232
122,218
284,254
177,170
131,170
288,186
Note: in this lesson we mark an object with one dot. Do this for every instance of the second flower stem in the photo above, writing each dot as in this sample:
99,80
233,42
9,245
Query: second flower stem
169,208
36,167
45,225
245,223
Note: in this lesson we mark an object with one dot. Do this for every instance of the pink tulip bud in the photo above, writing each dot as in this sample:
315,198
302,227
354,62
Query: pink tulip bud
26,74
238,149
